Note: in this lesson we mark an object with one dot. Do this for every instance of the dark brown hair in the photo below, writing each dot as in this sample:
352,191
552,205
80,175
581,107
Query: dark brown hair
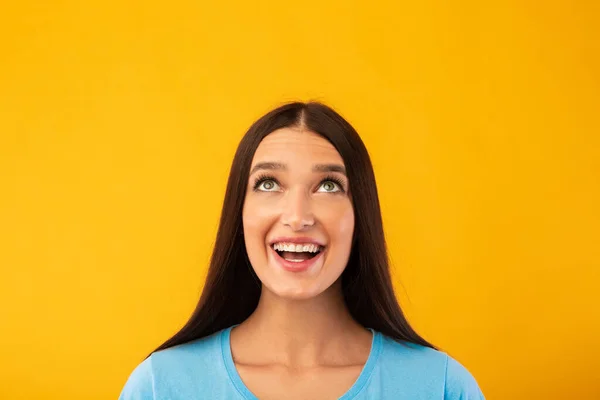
232,289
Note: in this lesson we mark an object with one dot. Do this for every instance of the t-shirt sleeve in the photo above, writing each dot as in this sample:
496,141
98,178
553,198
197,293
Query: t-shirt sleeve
140,385
460,384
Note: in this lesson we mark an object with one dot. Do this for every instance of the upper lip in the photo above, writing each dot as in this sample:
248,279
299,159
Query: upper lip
297,240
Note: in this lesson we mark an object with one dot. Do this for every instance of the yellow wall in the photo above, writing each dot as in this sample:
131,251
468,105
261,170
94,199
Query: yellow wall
118,122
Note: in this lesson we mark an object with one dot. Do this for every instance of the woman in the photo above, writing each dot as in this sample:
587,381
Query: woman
298,302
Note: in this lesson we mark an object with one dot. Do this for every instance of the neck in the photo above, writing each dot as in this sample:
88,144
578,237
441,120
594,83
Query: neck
300,332
308,320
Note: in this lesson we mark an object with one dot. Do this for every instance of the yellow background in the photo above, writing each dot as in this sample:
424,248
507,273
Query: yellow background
118,122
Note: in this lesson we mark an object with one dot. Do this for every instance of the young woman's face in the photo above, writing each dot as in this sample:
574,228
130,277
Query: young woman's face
298,219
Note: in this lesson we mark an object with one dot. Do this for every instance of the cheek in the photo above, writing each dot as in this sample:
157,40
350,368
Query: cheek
346,225
340,226
256,224
346,228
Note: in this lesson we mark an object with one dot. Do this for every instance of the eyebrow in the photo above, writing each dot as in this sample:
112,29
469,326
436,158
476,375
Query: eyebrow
316,168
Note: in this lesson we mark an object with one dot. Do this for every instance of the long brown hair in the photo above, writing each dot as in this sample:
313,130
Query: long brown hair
232,289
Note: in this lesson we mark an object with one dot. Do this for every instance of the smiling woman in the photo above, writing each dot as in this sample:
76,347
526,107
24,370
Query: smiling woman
298,302
297,203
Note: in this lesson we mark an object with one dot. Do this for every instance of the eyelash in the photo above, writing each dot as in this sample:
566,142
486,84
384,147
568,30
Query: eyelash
329,178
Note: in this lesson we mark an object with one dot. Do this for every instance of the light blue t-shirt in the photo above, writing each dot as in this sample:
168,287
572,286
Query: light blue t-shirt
204,369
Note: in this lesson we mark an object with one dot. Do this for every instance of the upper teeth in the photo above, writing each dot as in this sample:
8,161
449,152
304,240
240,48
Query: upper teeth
312,248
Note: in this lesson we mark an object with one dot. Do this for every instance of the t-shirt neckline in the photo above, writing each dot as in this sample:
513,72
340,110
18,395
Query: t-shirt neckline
358,385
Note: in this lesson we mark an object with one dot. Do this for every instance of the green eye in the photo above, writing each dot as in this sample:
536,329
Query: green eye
330,187
267,185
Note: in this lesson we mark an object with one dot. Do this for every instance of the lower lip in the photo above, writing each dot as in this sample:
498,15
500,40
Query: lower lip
296,266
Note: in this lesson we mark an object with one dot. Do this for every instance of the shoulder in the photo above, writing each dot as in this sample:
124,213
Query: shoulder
185,366
460,384
140,385
425,367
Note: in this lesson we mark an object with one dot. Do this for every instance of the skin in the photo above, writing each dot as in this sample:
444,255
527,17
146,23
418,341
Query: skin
301,341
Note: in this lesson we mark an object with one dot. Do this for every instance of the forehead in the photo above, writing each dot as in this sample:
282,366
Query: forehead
289,145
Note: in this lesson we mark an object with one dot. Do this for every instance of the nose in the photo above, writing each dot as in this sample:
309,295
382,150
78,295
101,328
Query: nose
297,213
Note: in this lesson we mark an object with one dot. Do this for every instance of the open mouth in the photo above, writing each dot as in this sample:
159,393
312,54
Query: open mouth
297,253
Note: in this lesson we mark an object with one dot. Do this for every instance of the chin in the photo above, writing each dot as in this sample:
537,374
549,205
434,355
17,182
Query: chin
293,290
